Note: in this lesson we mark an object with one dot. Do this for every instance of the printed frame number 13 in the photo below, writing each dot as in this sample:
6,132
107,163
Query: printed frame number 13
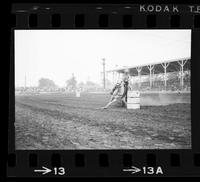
59,170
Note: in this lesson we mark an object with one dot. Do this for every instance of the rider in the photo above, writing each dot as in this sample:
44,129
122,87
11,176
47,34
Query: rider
125,80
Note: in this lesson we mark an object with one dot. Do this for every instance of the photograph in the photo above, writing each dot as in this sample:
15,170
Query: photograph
98,89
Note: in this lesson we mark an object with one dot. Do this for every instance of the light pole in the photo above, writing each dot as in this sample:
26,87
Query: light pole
25,82
104,74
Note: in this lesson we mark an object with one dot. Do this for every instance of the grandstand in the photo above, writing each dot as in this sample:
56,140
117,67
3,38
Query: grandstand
171,75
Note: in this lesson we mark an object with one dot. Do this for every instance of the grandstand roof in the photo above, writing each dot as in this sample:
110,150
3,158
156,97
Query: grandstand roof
158,68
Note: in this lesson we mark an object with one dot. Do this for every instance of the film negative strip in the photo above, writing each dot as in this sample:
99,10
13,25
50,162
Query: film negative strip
65,63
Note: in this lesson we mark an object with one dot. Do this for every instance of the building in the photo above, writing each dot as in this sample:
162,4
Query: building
166,75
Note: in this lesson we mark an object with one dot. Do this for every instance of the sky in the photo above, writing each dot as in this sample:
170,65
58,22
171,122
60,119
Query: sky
57,54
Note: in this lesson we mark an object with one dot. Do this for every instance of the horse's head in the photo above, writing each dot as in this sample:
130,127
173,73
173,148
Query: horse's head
118,84
119,88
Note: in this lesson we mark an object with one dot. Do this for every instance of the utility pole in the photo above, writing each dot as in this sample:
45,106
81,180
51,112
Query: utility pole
104,74
25,82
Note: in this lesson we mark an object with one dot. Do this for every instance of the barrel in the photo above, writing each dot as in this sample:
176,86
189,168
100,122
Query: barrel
78,94
133,100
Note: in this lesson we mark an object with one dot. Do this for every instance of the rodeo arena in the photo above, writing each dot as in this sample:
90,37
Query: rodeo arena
140,107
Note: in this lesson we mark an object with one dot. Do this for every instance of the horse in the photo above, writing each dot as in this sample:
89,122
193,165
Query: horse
118,94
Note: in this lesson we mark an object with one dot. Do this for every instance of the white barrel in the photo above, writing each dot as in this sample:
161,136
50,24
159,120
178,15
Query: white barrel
134,94
133,100
78,94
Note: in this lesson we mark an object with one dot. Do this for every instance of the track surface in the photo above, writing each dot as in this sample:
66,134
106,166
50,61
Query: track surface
61,121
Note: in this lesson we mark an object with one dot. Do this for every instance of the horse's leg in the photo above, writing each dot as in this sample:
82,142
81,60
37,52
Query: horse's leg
105,107
124,103
111,99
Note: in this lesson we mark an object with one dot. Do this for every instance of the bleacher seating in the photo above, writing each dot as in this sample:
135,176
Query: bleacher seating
173,82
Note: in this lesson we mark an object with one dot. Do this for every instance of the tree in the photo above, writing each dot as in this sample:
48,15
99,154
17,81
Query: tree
46,83
71,83
81,86
91,86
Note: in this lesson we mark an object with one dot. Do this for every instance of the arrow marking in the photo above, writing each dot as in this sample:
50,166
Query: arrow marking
132,170
44,170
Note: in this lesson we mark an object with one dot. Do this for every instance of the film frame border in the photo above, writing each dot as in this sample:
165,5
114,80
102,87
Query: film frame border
79,163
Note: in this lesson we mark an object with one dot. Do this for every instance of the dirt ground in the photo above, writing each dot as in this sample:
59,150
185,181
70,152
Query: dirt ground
63,121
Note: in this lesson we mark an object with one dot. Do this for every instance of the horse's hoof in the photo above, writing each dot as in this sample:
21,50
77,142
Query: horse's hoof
103,107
